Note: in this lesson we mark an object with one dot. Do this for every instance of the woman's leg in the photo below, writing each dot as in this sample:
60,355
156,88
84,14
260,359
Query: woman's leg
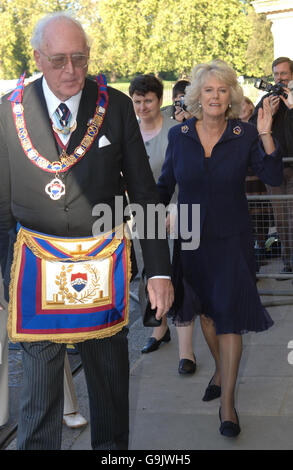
159,334
211,338
159,331
226,350
185,336
70,399
71,417
230,353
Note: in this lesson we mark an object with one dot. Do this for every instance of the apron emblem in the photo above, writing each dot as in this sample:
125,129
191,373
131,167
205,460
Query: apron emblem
78,281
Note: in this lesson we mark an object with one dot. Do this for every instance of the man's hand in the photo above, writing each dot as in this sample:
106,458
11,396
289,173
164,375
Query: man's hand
181,114
274,104
161,294
288,101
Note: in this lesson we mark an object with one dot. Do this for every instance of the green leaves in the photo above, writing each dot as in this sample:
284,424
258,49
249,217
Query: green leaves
17,20
142,36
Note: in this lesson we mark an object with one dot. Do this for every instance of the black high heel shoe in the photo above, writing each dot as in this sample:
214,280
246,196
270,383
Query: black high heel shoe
186,366
153,343
228,428
212,391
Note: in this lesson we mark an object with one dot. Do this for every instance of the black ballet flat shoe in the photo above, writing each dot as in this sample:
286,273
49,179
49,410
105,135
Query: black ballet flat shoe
212,391
228,428
153,343
186,366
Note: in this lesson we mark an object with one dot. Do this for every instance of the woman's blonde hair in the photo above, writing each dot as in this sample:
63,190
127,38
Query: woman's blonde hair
225,74
248,101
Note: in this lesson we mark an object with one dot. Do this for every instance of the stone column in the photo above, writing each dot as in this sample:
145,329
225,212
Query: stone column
280,13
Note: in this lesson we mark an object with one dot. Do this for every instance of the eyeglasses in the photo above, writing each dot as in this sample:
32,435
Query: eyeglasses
59,61
281,74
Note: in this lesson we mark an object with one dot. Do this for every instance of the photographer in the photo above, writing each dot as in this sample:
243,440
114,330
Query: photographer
282,129
177,110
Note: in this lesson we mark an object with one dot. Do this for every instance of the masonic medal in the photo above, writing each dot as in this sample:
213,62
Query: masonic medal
55,189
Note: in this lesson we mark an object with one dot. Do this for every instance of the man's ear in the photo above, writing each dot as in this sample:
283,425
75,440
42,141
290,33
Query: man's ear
37,57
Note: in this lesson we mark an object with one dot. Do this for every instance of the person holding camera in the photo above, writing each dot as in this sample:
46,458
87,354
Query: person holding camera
177,110
282,129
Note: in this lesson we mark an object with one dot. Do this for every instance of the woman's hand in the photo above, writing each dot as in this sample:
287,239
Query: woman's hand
171,221
274,104
264,126
168,223
264,117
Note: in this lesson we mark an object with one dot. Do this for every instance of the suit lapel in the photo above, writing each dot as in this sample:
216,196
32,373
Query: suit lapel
38,122
233,131
86,111
41,134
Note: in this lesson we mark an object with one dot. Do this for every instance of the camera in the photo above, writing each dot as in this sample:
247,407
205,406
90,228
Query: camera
180,103
275,90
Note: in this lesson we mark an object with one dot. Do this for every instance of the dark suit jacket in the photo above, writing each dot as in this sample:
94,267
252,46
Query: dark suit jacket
282,127
219,188
93,180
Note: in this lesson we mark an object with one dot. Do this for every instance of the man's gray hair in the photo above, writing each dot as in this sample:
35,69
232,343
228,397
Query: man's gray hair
37,37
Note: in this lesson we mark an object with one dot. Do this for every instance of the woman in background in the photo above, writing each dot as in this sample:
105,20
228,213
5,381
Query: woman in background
146,92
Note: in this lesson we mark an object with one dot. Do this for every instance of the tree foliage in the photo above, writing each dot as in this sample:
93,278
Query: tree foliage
142,36
17,20
167,35
203,31
260,48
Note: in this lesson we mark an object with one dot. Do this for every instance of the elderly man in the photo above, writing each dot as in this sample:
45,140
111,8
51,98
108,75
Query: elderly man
58,163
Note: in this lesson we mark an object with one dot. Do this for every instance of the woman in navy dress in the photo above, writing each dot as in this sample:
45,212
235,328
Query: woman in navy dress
208,157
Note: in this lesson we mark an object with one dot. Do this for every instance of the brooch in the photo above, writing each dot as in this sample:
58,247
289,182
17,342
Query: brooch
237,130
184,129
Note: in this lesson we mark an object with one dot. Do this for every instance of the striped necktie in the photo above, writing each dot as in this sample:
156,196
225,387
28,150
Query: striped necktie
61,119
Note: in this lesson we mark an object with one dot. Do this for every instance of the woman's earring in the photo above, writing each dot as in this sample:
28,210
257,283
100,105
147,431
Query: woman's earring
230,106
199,104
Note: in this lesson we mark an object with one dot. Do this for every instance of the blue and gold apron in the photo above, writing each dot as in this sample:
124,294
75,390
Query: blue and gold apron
68,290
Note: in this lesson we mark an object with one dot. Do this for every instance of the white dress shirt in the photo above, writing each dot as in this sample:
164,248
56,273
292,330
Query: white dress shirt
53,102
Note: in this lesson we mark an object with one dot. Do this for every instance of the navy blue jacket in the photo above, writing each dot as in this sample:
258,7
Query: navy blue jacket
219,188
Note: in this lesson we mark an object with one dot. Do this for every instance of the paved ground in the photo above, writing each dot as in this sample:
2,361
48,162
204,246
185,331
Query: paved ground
166,410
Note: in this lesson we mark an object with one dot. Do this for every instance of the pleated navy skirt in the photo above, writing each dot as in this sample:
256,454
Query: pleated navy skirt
218,280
